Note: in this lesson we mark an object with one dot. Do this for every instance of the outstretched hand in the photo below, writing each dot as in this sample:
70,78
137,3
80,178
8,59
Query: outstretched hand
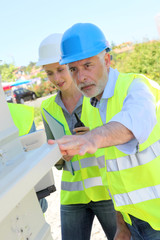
72,145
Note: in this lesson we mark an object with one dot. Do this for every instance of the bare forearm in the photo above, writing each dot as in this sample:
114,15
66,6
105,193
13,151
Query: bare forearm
122,232
111,134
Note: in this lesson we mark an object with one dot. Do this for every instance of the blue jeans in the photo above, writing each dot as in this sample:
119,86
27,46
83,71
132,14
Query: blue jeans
141,230
77,219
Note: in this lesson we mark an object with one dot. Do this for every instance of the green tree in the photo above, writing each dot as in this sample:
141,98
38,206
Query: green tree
6,72
144,59
28,69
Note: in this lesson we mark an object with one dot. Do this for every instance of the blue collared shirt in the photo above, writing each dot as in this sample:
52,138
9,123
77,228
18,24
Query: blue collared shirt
138,113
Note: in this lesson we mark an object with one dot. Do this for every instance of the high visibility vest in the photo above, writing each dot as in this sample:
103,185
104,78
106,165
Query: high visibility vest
89,180
23,117
134,180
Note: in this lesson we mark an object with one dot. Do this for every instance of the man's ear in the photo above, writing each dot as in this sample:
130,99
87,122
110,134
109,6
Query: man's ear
107,58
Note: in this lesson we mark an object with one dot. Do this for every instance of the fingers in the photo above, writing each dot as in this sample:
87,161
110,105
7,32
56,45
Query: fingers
84,148
67,145
65,139
64,152
51,142
69,142
80,133
81,130
73,145
70,147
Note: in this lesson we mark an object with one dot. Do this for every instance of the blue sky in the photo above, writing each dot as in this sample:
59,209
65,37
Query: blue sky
24,24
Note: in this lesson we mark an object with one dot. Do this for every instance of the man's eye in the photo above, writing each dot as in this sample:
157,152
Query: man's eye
72,69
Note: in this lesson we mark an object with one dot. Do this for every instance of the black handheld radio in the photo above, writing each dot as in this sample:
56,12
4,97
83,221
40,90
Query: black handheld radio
79,123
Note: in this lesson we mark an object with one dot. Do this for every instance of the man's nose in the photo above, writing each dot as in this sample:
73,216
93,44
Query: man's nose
81,76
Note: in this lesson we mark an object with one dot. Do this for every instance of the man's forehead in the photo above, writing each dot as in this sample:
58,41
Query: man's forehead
82,62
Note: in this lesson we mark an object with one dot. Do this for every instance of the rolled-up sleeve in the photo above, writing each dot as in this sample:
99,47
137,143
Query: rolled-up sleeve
138,114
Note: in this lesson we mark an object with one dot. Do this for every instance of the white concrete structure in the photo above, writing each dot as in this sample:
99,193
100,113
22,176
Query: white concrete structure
21,217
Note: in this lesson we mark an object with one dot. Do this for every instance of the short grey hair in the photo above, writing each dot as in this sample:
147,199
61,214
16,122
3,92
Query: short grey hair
101,55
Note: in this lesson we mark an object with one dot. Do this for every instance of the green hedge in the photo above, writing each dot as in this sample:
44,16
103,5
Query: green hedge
144,59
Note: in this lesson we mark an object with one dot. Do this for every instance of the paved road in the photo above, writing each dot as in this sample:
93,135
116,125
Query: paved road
37,102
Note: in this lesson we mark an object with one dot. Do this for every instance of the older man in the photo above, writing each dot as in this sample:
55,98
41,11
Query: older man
130,134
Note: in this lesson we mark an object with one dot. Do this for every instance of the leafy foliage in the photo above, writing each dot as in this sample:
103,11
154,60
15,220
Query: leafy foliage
45,88
144,59
6,72
28,69
41,75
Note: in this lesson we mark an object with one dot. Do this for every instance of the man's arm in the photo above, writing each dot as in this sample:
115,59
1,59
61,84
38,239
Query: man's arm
130,123
110,134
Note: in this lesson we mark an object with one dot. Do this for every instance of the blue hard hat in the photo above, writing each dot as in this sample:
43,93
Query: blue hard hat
82,40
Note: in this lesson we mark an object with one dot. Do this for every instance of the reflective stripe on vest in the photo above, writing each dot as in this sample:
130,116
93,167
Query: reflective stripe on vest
87,162
78,186
91,182
75,166
134,160
72,186
137,196
101,161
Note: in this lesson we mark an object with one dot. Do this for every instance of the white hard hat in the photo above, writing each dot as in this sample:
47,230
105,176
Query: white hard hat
49,49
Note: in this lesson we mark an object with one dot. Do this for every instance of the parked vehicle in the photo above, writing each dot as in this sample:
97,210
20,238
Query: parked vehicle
9,99
21,95
8,93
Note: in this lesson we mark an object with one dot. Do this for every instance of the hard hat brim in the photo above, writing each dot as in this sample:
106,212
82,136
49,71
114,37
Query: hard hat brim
81,56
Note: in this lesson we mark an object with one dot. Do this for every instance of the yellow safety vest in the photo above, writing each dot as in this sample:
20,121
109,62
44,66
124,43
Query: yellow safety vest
23,117
134,180
87,183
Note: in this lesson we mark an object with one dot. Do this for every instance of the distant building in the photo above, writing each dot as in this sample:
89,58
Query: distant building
20,73
123,47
